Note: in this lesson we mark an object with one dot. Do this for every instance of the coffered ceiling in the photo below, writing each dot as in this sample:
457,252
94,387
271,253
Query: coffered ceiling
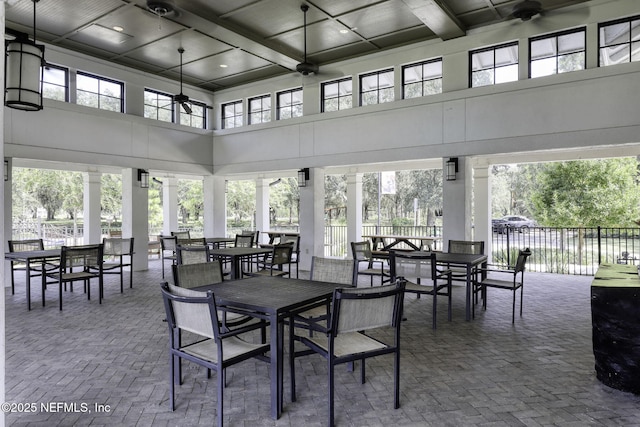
231,42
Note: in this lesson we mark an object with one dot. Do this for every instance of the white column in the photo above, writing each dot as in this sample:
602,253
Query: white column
169,205
456,201
215,206
7,217
482,206
354,210
262,207
312,218
135,217
5,234
92,209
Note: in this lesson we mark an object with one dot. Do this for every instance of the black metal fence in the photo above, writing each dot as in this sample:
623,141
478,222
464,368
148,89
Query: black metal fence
568,250
554,249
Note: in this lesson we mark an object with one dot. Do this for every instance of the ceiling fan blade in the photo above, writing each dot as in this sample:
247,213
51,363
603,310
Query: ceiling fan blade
186,107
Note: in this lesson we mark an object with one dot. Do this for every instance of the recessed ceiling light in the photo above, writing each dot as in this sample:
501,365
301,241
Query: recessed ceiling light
344,31
118,28
223,65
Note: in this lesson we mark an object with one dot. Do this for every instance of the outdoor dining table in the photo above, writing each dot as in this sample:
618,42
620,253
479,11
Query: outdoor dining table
217,242
30,257
468,261
384,243
274,299
235,255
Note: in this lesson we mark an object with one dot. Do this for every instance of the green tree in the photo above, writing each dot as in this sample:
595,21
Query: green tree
588,193
241,203
190,200
111,196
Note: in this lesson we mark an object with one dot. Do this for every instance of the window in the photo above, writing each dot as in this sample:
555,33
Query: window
494,65
558,53
289,104
260,109
232,115
422,79
337,95
619,41
377,87
55,82
99,92
198,116
158,105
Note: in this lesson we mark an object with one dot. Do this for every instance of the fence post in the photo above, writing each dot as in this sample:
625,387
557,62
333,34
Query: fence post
599,246
508,247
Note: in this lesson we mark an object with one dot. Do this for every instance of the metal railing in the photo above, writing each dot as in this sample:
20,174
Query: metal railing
558,250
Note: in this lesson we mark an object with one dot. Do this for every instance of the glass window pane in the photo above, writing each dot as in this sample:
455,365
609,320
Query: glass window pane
482,60
331,104
86,83
543,48
55,76
413,90
635,51
571,42
346,87
482,78
433,87
296,97
543,67
571,62
368,83
614,34
386,95
386,79
110,88
506,74
369,98
345,102
433,70
413,74
266,116
331,90
506,55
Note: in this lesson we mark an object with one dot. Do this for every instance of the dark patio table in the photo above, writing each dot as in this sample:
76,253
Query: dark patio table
217,242
468,261
275,299
236,255
29,257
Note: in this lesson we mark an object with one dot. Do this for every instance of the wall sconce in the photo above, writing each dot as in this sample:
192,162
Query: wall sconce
303,177
452,168
6,170
143,178
23,62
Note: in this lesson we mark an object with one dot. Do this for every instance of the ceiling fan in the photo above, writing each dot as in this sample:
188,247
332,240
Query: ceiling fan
181,98
305,68
526,9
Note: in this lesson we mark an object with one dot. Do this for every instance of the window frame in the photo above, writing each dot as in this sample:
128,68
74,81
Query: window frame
323,98
234,104
377,90
291,106
262,110
157,108
629,43
66,80
100,95
556,35
493,49
423,80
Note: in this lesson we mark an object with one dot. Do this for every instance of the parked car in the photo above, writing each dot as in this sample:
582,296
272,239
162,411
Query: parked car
517,222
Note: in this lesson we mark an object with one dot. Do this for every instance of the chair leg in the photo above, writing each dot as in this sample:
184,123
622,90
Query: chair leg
292,357
172,380
435,307
220,387
396,379
362,372
331,385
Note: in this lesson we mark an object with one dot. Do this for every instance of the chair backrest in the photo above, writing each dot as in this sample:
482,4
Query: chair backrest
194,241
191,311
290,238
361,251
332,270
113,246
361,309
181,234
26,245
244,240
192,254
84,257
466,247
168,243
256,235
194,275
412,266
522,260
281,254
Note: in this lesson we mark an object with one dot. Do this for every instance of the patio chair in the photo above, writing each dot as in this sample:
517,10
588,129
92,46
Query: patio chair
119,254
512,284
168,247
354,313
196,312
36,270
361,252
192,254
80,263
421,276
181,234
295,253
246,241
273,264
464,247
